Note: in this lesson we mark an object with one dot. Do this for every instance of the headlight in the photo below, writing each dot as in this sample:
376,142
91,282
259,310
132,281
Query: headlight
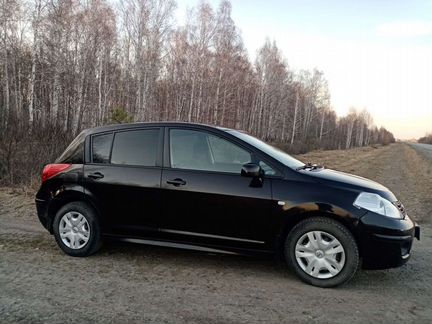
377,204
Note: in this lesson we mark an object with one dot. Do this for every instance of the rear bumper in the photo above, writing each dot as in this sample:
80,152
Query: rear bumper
42,212
386,242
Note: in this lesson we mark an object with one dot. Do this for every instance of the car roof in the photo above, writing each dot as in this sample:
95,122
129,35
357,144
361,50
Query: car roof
113,127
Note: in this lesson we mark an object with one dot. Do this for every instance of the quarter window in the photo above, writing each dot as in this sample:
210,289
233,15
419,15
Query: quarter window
76,155
203,151
101,146
138,147
268,170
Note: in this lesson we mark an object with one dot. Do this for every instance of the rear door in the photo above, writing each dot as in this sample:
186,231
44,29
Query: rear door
123,177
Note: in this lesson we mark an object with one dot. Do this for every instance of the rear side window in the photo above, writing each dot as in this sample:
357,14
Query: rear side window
138,147
101,147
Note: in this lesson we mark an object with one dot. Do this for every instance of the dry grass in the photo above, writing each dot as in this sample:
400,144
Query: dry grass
17,201
398,166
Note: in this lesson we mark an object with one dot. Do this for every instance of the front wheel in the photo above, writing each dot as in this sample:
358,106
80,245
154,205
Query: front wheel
76,229
322,252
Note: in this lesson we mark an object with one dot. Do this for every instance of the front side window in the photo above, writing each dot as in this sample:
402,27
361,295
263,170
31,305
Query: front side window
196,150
274,152
101,146
137,147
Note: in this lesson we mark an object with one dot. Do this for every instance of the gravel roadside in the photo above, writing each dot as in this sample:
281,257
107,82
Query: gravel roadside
139,284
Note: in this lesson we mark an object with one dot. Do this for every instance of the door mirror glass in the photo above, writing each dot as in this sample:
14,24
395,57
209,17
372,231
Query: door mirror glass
251,170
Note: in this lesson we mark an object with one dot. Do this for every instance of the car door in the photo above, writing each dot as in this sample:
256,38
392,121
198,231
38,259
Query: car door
123,177
205,198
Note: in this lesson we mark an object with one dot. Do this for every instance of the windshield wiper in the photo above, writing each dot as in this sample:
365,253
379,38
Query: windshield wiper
310,166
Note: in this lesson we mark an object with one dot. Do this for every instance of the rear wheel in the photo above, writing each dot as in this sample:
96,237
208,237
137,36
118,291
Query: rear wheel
76,229
322,252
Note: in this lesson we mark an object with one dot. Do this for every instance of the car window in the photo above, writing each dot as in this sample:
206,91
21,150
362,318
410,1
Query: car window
137,147
274,152
268,170
101,146
227,152
74,153
198,150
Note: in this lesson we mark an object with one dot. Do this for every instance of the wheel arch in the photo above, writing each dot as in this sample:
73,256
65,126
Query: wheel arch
65,197
295,215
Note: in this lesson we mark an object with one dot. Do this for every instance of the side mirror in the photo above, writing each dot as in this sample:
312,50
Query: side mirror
251,170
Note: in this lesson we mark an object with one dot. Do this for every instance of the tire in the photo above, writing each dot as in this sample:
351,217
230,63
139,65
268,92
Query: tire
77,240
320,261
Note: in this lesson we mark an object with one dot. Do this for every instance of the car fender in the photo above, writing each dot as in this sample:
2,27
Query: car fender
291,214
65,194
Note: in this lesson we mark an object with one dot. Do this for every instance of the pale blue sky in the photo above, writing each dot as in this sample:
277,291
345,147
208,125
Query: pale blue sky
375,54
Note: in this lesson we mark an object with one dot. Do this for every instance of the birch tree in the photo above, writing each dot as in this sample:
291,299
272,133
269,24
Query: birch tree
66,65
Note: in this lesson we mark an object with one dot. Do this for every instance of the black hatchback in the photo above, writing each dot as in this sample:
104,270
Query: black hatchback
219,190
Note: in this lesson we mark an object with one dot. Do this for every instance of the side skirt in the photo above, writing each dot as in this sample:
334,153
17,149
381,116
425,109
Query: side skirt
187,246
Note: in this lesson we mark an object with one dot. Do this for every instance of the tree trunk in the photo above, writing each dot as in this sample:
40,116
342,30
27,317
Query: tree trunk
349,134
295,118
99,107
216,105
55,96
322,125
191,101
6,79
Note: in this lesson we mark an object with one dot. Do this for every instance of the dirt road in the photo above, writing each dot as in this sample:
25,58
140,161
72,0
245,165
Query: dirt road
127,283
425,149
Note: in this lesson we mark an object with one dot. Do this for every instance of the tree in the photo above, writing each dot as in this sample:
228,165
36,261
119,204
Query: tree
427,139
145,28
120,116
66,65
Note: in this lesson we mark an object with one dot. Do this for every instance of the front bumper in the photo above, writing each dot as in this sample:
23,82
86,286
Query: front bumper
416,231
386,242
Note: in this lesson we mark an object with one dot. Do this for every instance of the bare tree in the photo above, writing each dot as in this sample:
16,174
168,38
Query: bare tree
70,64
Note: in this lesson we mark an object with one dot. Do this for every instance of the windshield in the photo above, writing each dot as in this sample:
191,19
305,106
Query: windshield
274,152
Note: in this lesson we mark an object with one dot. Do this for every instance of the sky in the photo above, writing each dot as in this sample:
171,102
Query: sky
375,54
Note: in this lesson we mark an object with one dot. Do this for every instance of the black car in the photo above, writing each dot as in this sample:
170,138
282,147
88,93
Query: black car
219,190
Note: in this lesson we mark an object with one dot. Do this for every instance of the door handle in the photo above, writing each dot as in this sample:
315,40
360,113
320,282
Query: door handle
95,175
176,182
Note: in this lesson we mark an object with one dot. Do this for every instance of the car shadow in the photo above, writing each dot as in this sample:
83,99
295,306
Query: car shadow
139,258
257,266
260,263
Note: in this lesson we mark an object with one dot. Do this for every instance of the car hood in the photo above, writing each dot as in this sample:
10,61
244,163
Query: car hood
349,181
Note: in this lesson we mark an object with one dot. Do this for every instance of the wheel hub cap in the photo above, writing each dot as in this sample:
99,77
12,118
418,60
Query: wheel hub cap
320,254
74,230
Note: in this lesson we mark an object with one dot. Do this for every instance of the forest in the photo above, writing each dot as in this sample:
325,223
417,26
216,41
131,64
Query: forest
66,65
427,139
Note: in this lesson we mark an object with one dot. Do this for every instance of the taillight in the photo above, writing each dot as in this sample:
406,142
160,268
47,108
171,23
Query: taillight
51,170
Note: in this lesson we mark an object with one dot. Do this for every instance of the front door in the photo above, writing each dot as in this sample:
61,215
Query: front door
205,198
